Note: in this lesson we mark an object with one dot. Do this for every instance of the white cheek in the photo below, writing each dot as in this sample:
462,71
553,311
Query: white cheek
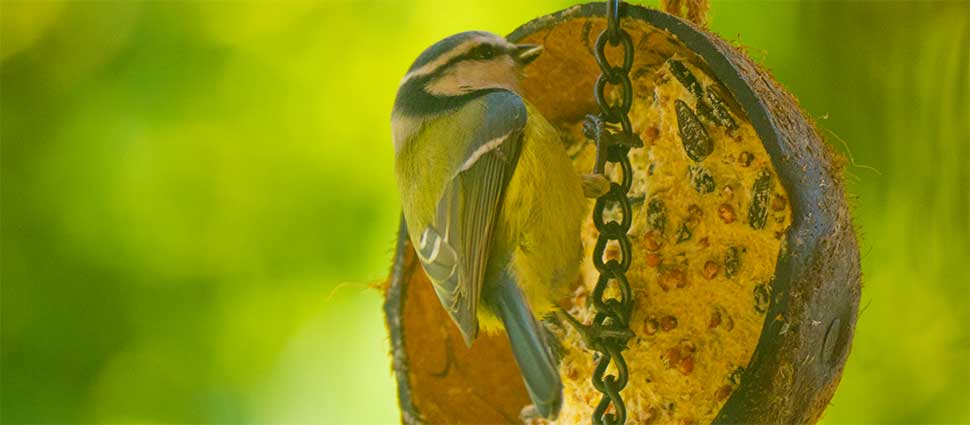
499,73
470,76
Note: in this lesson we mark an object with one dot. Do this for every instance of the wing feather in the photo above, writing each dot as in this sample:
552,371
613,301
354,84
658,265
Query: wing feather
455,248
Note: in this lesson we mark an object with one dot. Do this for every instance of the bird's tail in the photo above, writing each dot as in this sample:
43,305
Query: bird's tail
539,370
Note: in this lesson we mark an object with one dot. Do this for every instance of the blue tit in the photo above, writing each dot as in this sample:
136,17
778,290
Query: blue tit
492,203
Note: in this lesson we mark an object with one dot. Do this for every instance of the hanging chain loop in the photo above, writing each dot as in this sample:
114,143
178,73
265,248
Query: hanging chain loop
610,329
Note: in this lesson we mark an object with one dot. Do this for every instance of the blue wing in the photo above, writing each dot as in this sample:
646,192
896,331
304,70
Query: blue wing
455,248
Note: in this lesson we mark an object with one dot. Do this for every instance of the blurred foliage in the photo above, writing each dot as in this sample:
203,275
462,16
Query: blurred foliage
196,197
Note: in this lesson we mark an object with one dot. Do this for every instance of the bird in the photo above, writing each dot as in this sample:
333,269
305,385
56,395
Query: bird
490,198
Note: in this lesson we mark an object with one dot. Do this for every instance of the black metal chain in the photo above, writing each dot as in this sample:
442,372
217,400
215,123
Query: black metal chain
610,329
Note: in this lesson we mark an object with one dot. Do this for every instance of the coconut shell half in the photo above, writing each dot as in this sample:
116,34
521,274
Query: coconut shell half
809,299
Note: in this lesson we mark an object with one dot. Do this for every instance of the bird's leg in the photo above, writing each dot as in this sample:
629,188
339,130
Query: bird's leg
580,328
529,413
555,347
593,336
596,184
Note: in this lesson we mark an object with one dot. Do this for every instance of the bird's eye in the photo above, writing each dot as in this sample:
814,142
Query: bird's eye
484,52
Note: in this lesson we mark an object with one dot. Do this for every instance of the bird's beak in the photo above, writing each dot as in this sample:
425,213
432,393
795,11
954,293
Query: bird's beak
526,53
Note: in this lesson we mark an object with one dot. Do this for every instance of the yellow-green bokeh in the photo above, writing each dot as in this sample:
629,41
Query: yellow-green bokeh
196,197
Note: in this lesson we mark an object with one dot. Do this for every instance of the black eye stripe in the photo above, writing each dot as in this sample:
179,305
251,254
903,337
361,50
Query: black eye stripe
484,51
469,55
476,52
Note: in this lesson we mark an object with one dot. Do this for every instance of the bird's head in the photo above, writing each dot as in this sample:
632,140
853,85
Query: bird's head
454,71
459,66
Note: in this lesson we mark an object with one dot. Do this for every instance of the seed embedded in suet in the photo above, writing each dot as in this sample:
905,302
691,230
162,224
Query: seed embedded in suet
745,158
726,212
668,323
697,143
654,240
735,375
657,215
686,365
762,298
671,357
673,277
683,233
710,269
732,261
715,320
694,211
685,77
778,203
761,192
701,179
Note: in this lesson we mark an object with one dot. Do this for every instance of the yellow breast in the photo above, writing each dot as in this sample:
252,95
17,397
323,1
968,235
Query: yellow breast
540,219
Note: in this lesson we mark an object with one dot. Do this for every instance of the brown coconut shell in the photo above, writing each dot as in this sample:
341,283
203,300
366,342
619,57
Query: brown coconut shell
807,332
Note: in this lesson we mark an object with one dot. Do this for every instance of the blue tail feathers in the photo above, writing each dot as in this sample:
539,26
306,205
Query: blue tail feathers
536,364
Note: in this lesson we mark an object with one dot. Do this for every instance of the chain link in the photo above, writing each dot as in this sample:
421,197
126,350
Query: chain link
610,327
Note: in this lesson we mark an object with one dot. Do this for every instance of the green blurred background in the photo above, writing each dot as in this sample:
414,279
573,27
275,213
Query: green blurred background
196,197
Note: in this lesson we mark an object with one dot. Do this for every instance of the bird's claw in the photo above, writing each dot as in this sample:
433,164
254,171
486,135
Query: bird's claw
593,336
596,128
529,413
